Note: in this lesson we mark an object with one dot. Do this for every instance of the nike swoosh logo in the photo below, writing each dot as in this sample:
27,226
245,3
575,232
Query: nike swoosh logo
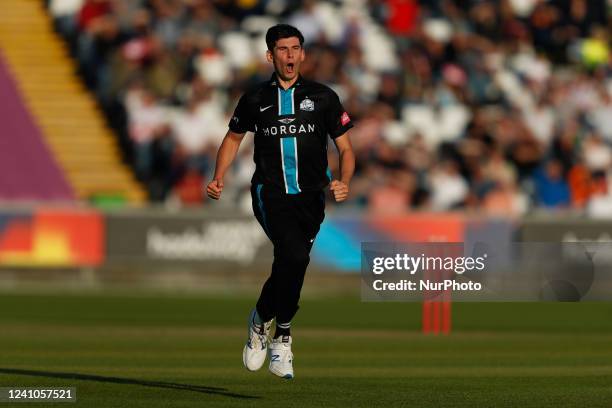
266,108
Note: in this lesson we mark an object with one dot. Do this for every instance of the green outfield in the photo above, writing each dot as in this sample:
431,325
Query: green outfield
185,351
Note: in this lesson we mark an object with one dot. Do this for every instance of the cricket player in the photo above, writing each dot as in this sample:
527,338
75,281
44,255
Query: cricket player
292,119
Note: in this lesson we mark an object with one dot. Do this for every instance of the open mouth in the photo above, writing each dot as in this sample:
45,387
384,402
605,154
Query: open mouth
290,68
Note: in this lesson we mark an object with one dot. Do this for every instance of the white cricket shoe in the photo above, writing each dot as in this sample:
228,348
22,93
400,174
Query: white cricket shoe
254,352
281,357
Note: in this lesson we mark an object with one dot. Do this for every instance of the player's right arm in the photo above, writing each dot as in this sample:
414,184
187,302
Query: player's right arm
240,123
225,157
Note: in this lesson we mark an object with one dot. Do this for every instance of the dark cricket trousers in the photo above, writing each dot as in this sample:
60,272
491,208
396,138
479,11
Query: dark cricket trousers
291,221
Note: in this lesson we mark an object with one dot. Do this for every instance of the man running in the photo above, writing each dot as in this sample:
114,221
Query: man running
292,118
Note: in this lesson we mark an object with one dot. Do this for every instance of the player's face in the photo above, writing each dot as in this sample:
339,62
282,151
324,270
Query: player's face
287,56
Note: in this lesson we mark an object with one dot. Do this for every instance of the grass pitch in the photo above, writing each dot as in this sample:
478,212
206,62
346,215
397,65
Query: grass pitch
185,351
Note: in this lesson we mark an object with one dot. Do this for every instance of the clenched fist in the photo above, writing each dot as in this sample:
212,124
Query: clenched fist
214,189
340,190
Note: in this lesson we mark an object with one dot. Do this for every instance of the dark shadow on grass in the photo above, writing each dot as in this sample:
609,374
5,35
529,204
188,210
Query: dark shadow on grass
130,381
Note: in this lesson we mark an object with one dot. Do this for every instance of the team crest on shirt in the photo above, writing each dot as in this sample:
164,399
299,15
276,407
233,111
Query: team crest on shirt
307,105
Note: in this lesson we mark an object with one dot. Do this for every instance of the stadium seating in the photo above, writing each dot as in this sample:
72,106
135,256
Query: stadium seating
65,113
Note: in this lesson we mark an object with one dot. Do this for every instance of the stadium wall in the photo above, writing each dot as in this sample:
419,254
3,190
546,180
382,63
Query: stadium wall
156,245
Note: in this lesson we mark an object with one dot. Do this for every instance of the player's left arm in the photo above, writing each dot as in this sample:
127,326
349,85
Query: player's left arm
340,188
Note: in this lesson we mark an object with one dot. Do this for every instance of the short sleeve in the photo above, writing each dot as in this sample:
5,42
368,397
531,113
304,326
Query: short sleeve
242,120
337,119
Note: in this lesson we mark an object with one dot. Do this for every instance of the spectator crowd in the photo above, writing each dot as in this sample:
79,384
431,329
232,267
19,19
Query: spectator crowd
500,107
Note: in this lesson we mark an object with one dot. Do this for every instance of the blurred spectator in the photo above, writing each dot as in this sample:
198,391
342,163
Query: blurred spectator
449,189
99,28
504,199
64,14
541,122
189,133
579,180
147,123
205,22
196,133
601,116
307,21
402,16
551,187
597,154
170,19
600,203
394,194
